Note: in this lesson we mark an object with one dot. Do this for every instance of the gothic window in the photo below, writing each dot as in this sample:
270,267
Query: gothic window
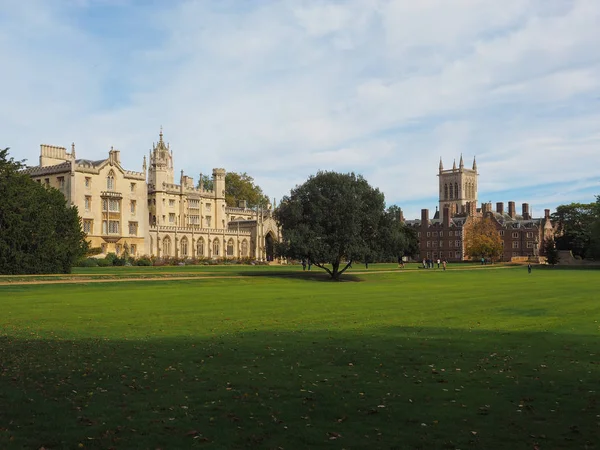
110,181
244,248
230,247
200,247
216,247
451,196
456,190
167,246
445,192
184,247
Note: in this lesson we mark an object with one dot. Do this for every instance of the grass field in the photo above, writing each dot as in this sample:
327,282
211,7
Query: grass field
275,358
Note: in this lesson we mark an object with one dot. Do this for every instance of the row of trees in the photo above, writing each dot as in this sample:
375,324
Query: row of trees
39,232
334,219
578,228
238,186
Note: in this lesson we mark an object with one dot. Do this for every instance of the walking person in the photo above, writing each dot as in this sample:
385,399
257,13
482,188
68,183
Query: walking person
444,264
438,262
303,264
529,268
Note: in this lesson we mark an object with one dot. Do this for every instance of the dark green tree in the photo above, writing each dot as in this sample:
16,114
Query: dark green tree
331,219
241,186
574,227
238,186
594,249
395,239
39,232
551,252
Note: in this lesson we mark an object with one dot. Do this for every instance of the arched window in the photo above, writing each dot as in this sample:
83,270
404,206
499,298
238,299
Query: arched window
230,247
456,190
445,192
200,247
244,248
184,247
451,196
167,246
110,181
216,247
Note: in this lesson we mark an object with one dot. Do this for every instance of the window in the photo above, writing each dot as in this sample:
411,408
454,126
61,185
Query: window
200,247
104,248
450,233
515,244
435,243
419,234
230,247
171,217
428,255
435,233
171,203
457,255
133,249
111,205
133,228
441,254
441,234
118,249
184,247
530,245
455,190
194,220
47,181
216,247
530,235
207,219
110,181
428,244
88,226
208,206
88,202
515,234
501,232
167,246
88,182
441,243
457,243
194,203
132,206
61,182
244,248
113,227
428,234
132,187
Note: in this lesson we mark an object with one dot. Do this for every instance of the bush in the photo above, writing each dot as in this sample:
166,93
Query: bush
143,261
104,262
87,262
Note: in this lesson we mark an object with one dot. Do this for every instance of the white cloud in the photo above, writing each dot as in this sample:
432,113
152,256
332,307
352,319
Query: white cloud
283,89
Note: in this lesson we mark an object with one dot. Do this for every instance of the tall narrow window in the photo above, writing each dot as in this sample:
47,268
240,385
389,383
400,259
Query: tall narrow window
184,247
110,181
216,247
456,190
200,247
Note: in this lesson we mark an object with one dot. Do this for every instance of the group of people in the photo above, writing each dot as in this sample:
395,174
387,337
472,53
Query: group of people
306,262
430,263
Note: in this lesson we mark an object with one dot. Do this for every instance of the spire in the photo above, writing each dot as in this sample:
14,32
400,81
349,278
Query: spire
144,166
160,134
454,165
474,164
441,165
73,150
461,164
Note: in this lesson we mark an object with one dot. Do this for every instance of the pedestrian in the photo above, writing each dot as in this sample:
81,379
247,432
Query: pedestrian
309,263
438,263
400,262
444,264
304,264
423,263
482,261
529,268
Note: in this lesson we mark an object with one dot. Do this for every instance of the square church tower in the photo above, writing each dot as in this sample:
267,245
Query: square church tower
458,188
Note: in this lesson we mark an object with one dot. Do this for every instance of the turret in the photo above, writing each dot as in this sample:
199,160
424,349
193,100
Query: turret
161,164
454,165
474,164
461,164
441,165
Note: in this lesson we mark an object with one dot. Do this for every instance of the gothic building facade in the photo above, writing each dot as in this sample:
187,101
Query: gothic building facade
147,213
442,236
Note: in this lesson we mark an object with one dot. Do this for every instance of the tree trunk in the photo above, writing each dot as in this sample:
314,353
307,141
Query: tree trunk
335,273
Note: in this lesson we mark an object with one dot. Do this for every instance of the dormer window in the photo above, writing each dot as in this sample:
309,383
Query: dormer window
110,181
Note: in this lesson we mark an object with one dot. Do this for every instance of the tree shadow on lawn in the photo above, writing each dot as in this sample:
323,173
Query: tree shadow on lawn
380,388
312,275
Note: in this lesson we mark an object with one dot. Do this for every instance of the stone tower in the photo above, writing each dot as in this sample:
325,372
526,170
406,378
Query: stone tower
219,191
458,188
161,165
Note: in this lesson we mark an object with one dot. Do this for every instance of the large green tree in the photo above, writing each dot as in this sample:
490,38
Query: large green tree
574,223
39,232
331,219
238,187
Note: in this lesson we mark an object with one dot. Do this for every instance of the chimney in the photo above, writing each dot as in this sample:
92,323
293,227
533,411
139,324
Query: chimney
424,217
511,210
525,214
500,207
446,217
242,203
547,214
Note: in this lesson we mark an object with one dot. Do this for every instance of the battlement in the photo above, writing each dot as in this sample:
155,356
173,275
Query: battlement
51,155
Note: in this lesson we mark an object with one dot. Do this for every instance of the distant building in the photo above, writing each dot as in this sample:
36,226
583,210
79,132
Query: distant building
443,235
146,213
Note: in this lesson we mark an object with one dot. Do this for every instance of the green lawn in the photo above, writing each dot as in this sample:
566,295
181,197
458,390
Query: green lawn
472,358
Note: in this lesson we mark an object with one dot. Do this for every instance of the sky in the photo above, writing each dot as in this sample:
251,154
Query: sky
283,89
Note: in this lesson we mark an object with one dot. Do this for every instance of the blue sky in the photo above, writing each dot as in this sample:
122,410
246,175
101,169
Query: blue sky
281,89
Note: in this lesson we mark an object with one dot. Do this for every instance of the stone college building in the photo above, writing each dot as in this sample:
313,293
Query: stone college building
147,213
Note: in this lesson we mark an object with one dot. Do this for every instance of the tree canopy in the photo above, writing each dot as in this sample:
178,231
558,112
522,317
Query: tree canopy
238,187
395,239
575,224
482,239
39,232
332,218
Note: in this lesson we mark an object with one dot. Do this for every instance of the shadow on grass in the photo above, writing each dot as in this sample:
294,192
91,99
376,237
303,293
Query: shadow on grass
388,388
312,275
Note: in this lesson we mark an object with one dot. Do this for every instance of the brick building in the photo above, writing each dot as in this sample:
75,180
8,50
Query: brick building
443,235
